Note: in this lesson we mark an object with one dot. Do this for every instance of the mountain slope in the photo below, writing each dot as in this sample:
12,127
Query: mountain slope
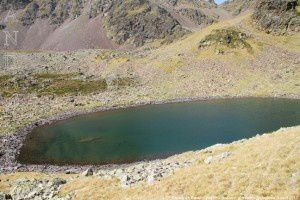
109,24
237,7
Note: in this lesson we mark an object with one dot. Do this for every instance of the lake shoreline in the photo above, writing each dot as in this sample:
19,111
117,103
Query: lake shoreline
13,143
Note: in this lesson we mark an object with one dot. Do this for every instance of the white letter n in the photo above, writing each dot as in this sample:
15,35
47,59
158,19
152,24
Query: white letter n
9,37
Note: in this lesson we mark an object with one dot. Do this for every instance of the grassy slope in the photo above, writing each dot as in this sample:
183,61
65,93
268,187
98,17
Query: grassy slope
264,166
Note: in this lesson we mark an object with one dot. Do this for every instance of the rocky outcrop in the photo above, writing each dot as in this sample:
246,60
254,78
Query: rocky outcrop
197,16
56,10
132,22
193,3
13,4
278,17
138,21
237,7
227,37
29,14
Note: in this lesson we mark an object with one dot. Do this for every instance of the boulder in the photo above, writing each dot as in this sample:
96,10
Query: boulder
126,181
88,172
2,196
151,178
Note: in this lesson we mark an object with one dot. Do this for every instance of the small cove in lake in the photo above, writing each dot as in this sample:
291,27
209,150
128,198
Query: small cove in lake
155,131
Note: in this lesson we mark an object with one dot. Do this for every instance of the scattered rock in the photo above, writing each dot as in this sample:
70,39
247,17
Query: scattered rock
217,158
37,189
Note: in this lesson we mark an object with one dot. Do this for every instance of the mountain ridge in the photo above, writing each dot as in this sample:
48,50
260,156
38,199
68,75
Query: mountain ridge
113,23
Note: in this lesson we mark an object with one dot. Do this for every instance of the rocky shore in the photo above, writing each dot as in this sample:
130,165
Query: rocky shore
211,164
11,144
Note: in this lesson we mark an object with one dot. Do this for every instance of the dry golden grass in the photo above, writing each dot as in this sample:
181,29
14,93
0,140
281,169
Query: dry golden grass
266,166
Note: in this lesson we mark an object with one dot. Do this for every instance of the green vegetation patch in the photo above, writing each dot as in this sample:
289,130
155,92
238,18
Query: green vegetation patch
298,10
226,37
49,84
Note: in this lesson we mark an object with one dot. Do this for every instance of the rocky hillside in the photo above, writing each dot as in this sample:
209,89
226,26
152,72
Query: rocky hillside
237,7
277,17
193,13
109,24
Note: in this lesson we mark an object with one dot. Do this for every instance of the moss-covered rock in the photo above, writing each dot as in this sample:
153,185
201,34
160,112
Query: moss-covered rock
228,37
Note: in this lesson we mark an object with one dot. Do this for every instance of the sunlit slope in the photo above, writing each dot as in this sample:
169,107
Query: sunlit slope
270,68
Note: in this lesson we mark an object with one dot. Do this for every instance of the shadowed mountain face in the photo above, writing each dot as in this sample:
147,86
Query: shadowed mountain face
278,17
108,24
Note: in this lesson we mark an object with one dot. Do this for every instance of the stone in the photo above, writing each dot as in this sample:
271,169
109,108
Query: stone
58,181
208,160
125,181
151,179
2,196
88,172
225,155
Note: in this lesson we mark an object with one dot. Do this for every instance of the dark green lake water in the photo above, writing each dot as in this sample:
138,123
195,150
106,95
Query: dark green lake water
154,131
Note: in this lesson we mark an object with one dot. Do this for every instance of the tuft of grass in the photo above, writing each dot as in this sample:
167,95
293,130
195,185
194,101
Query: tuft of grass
119,60
124,81
170,64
